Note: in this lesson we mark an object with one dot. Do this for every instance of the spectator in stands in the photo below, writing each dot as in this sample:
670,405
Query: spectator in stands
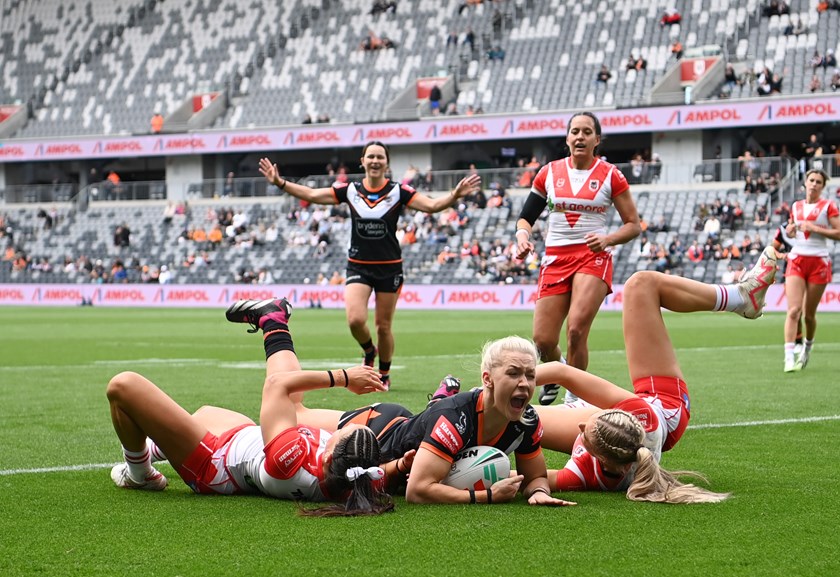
670,17
446,255
113,186
762,218
371,42
496,53
712,227
306,119
434,99
383,6
374,259
452,109
677,49
452,39
835,80
336,279
816,84
157,123
227,189
323,118
695,252
816,60
122,236
830,60
603,75
815,221
165,276
469,38
574,283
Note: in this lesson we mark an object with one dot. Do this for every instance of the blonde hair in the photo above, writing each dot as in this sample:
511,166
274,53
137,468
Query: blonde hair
619,437
491,353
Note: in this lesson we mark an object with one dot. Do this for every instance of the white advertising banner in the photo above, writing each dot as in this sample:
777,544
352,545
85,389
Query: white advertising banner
437,297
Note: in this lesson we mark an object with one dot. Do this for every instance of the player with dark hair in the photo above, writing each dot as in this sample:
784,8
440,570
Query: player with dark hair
813,221
618,449
218,451
374,258
576,270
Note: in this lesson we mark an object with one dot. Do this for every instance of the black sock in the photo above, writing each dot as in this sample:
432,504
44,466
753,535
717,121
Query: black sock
368,347
276,337
384,367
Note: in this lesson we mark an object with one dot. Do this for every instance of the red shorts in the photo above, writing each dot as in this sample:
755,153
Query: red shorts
561,263
204,470
670,396
814,269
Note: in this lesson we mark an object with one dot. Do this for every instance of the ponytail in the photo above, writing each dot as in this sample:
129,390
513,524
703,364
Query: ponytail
354,471
619,437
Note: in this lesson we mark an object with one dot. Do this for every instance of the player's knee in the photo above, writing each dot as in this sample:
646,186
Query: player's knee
356,322
640,281
119,384
545,345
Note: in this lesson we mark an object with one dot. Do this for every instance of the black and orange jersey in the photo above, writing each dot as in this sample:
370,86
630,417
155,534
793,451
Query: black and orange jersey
374,215
447,427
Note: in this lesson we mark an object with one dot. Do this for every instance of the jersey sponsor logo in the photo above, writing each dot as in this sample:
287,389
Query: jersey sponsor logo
371,228
446,434
286,457
564,206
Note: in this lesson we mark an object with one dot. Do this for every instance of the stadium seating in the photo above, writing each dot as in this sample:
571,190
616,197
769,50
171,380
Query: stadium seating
99,67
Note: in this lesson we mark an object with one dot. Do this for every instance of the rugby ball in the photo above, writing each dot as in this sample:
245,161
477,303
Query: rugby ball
478,468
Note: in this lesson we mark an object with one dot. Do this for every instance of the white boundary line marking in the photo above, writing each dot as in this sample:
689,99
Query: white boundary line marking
94,466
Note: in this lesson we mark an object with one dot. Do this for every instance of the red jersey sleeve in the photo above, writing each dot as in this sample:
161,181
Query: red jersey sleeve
285,454
567,480
538,184
832,210
618,183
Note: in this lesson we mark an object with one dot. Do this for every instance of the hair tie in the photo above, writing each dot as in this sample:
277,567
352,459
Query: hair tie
374,473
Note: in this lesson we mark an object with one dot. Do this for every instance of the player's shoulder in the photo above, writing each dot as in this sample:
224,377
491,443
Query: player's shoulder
290,450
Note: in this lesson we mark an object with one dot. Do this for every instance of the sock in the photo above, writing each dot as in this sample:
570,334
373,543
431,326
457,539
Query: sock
809,343
789,352
384,368
370,352
276,337
154,451
139,464
728,297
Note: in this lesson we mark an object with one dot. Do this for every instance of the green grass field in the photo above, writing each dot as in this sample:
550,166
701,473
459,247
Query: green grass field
769,438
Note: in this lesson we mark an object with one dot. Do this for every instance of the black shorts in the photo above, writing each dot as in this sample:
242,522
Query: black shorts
379,417
384,278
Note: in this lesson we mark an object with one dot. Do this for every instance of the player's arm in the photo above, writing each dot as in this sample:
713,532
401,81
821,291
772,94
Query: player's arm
429,469
535,485
465,187
591,388
278,411
316,195
631,227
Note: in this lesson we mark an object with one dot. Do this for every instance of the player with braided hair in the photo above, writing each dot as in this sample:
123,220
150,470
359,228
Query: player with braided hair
218,451
618,449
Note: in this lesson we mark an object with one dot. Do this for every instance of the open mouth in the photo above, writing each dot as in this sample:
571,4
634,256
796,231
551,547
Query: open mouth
518,403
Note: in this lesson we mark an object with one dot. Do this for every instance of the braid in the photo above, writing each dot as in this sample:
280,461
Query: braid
364,497
619,435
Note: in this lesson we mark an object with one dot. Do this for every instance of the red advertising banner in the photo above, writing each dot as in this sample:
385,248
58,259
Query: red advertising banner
7,110
424,86
693,69
202,100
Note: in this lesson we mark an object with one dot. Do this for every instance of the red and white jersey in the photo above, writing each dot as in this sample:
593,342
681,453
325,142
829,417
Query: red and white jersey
808,243
288,467
578,199
583,472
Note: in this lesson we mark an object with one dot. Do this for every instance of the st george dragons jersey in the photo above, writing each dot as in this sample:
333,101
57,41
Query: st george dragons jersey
583,472
807,243
288,467
578,199
453,424
374,215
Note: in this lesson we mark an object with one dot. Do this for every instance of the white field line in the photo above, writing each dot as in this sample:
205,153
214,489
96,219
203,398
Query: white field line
94,466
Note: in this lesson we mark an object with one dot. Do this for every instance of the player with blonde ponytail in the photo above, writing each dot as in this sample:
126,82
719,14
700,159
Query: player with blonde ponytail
619,449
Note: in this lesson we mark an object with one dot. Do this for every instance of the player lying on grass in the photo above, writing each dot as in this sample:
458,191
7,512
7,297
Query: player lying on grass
618,449
217,451
499,415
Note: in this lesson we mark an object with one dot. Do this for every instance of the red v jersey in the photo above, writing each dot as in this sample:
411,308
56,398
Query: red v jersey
820,213
578,199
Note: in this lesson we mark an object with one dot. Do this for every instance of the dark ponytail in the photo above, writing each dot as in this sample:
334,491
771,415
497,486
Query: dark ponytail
365,496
